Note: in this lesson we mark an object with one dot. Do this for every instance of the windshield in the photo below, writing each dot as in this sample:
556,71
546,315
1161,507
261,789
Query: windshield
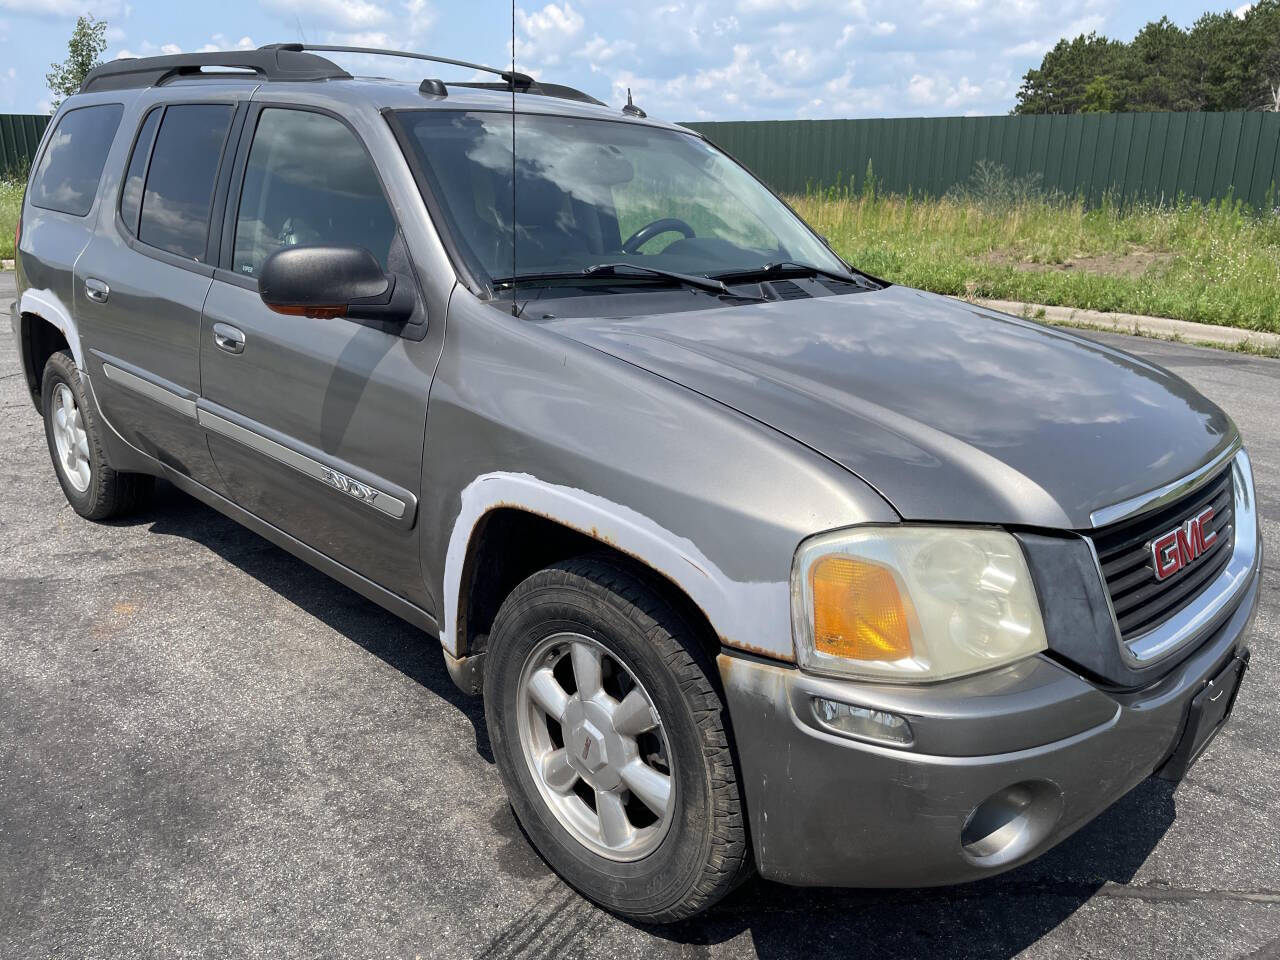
597,191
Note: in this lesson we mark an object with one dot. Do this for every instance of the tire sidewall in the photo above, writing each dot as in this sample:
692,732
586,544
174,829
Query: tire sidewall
669,873
62,369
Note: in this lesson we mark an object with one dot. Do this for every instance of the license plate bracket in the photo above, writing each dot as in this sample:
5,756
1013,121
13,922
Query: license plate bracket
1209,710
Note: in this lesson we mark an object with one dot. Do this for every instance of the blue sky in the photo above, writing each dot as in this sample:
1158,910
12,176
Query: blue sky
684,59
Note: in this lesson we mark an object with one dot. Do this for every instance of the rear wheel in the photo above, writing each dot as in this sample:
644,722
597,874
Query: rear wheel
94,490
612,741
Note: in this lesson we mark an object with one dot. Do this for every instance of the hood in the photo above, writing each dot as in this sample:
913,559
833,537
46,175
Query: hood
951,411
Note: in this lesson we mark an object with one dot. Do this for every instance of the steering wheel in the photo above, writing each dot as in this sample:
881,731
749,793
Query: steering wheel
651,230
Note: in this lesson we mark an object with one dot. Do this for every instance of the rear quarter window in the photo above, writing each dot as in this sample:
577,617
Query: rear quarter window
67,177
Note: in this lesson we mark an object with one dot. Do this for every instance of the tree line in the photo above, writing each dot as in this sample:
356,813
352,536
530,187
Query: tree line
1225,61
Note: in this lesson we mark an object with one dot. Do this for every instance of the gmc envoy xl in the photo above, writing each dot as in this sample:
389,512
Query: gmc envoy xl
759,563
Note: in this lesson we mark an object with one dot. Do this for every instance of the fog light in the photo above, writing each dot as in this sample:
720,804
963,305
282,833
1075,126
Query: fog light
1011,822
862,722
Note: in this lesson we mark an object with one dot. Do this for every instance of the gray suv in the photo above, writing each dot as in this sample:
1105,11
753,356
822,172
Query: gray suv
759,562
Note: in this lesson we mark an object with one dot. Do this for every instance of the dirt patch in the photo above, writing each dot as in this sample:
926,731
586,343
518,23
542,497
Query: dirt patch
1135,263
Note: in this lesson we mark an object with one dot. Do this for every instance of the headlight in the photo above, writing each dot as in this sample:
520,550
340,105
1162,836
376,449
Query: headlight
913,603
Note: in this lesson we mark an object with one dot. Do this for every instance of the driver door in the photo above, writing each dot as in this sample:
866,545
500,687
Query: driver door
305,417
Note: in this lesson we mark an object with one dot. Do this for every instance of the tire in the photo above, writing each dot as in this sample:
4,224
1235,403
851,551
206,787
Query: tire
94,490
687,858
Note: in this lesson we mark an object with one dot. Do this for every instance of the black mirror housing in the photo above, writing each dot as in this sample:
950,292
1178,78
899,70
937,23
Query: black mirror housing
330,281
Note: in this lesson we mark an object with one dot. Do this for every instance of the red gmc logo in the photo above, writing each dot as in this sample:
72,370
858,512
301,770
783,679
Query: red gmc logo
1182,546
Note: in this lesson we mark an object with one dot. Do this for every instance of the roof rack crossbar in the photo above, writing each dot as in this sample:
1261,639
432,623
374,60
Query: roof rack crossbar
273,63
513,77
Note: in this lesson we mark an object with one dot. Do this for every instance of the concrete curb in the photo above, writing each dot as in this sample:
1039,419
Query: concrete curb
1158,327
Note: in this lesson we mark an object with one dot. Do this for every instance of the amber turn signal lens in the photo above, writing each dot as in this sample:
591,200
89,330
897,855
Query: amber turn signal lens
858,611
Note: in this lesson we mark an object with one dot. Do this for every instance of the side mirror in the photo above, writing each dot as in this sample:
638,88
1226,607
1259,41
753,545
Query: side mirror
323,281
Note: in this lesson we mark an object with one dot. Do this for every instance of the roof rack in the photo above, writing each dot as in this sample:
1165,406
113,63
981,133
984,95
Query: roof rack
556,90
297,61
512,77
280,62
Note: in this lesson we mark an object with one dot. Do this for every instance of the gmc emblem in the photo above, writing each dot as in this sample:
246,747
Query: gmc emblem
1182,546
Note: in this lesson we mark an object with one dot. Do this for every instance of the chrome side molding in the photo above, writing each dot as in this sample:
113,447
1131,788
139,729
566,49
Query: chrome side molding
152,391
379,500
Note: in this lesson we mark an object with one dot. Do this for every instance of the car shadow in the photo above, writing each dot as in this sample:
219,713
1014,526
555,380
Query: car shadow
991,919
363,622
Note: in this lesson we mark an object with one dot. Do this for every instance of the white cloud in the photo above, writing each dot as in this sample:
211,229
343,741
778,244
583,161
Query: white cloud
690,59
1028,48
920,90
220,42
8,89
338,14
1241,10
600,51
545,37
64,9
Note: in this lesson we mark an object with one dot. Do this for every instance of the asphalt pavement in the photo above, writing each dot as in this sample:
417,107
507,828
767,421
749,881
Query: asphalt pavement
208,749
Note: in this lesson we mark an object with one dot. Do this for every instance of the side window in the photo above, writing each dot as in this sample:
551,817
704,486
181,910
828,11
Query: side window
131,195
308,180
71,167
179,188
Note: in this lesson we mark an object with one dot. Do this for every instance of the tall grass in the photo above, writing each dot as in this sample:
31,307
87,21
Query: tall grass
1006,239
10,205
1208,263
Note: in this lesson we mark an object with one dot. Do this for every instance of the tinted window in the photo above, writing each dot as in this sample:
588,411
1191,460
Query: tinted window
131,197
71,167
179,190
308,180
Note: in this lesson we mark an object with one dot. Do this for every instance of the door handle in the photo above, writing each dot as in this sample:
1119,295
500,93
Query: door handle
96,290
228,338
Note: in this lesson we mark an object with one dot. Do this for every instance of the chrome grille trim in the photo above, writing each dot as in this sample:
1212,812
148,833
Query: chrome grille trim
1190,622
1105,516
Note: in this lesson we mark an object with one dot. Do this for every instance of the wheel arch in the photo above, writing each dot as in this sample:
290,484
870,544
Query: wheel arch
510,544
512,525
45,326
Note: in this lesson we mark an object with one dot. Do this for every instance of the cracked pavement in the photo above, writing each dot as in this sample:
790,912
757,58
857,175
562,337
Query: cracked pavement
208,749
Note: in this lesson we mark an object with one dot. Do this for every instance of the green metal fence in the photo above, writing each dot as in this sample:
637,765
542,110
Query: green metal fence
1153,156
19,137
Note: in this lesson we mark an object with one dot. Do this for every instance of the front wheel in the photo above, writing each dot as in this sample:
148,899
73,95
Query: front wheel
612,741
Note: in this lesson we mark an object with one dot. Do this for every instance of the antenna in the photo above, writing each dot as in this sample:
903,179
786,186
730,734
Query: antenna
515,302
630,108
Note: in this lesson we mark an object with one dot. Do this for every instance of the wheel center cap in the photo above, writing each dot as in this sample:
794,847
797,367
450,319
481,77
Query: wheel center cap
589,746
593,747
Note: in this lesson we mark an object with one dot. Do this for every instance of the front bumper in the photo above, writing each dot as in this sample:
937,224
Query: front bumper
828,810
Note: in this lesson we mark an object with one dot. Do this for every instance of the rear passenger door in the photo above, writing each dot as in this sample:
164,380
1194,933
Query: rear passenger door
141,283
304,416
58,221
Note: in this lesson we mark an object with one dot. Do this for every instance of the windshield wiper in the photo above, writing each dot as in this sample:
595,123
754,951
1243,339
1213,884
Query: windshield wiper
620,270
713,284
781,267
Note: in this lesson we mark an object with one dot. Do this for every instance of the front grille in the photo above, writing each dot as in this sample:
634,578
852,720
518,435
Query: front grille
1142,602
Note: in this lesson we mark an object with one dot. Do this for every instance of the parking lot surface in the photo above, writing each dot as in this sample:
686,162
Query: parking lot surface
208,749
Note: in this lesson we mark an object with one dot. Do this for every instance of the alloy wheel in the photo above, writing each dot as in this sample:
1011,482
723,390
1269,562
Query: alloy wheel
70,439
595,747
